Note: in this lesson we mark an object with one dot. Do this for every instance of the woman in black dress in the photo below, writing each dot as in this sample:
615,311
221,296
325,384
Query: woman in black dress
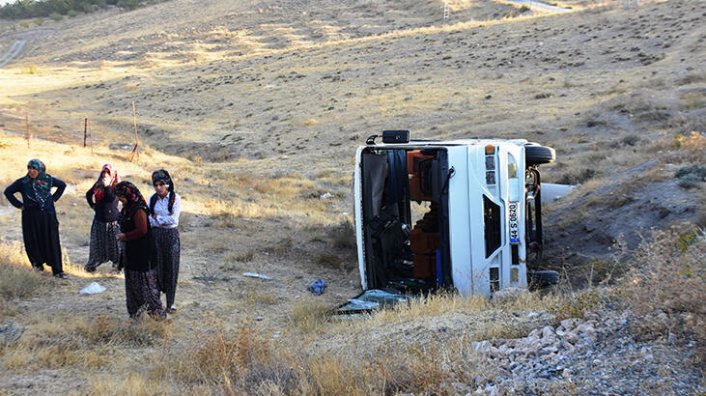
40,227
105,228
141,291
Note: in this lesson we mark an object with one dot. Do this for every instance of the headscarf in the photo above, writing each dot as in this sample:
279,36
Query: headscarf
134,199
39,188
99,188
161,175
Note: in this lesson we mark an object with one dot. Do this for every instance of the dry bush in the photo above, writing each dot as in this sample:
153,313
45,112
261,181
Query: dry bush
255,295
232,261
691,176
343,235
244,362
310,315
237,209
133,384
641,106
576,176
415,369
17,280
578,305
683,149
83,342
329,260
666,286
239,362
692,78
282,248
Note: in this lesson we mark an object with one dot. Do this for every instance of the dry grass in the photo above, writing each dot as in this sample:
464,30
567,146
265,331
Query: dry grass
256,295
310,315
667,282
63,341
133,384
17,279
665,289
245,361
239,360
684,148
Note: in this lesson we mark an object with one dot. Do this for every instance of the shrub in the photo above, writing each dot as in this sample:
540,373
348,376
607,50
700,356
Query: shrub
343,235
579,305
17,280
577,176
241,360
55,16
32,69
129,4
309,315
666,286
690,176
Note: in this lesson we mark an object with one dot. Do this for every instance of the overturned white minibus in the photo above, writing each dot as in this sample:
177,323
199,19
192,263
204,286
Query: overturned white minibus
459,214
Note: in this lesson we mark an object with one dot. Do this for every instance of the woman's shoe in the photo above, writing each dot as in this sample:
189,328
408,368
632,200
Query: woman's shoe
61,275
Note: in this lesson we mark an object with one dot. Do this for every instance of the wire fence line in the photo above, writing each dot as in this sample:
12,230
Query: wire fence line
72,130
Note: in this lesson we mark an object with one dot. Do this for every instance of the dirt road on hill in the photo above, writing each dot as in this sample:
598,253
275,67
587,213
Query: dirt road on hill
15,50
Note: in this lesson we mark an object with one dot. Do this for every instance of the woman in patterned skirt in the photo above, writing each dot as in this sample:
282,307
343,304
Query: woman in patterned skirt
141,290
40,227
101,198
165,206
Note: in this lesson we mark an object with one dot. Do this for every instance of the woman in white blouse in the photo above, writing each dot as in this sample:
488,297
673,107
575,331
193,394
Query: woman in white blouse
165,207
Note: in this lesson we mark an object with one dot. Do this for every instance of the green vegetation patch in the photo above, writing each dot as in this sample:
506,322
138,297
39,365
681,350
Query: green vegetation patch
56,9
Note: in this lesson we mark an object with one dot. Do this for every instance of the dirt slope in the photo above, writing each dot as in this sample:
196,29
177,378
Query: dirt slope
262,83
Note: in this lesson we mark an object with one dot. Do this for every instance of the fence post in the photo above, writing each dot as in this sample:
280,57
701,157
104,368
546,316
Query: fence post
90,135
136,149
85,131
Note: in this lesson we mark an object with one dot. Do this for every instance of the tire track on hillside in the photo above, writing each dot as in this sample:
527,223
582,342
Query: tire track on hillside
15,50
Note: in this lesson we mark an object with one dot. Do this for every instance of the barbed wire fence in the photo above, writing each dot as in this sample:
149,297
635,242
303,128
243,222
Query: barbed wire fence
76,130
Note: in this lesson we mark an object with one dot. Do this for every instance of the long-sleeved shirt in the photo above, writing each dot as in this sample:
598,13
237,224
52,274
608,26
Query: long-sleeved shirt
107,208
29,204
160,216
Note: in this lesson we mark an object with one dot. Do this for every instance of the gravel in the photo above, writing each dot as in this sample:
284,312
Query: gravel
594,355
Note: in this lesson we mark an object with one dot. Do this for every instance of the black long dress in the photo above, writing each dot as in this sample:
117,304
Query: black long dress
40,227
104,247
141,290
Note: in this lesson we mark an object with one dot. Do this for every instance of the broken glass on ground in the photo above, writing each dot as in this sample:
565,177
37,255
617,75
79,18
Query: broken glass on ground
371,300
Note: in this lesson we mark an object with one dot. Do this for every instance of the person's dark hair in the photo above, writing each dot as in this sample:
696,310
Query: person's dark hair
161,175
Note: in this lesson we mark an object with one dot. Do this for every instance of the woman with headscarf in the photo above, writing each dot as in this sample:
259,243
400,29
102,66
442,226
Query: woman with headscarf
40,227
101,198
165,207
141,290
